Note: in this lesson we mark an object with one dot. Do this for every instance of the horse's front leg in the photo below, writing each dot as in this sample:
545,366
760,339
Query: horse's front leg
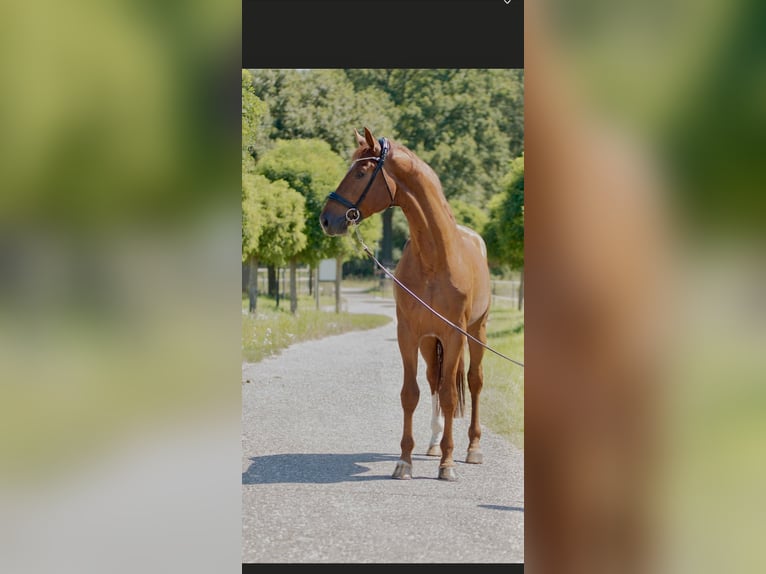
409,396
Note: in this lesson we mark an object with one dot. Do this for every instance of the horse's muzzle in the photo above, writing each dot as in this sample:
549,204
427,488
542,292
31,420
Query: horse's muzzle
333,225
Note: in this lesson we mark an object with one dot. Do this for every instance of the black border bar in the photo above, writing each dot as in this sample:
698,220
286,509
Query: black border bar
382,34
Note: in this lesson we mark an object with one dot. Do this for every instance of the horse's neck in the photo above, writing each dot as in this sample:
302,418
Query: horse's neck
432,227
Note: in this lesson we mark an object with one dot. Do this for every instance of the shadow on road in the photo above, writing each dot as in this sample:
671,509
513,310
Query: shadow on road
499,507
316,468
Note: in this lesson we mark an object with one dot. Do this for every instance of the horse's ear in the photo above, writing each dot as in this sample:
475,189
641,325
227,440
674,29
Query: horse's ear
372,143
359,139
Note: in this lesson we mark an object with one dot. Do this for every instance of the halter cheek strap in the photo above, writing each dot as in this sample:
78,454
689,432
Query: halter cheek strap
353,215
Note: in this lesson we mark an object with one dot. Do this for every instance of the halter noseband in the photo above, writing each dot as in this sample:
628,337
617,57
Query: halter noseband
353,215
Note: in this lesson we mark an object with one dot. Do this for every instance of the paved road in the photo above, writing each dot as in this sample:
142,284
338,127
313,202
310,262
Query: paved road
320,438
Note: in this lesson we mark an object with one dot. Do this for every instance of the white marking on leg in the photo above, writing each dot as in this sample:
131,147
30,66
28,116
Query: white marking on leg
437,421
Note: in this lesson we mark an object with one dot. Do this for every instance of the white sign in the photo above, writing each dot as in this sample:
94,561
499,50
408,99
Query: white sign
327,270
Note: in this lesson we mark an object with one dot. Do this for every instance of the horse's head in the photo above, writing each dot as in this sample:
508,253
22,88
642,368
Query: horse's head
363,191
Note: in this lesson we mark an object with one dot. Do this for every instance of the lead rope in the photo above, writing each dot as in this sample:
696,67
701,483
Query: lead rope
426,305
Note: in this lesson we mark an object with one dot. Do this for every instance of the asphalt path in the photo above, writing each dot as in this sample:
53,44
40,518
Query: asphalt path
321,425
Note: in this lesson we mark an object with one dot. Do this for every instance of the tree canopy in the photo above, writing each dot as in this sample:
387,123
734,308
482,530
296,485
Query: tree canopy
504,233
255,117
313,169
321,104
468,124
273,220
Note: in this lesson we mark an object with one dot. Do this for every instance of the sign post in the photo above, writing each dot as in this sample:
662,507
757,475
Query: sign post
330,270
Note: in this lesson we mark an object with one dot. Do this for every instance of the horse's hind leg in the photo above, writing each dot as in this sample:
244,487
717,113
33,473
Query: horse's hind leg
429,347
449,396
409,396
475,383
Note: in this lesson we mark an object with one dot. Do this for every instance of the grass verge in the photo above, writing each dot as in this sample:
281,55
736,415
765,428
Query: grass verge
502,398
270,330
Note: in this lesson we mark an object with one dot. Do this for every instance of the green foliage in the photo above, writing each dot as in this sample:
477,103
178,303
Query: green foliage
308,165
504,233
467,124
272,330
503,393
371,231
252,218
254,115
273,220
469,215
313,169
321,104
400,232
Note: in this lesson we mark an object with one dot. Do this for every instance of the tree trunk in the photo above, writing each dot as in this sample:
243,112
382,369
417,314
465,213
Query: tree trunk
311,280
245,274
386,248
386,244
293,286
273,282
252,283
521,290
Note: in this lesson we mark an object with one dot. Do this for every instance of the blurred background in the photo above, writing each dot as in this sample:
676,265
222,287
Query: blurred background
645,306
120,285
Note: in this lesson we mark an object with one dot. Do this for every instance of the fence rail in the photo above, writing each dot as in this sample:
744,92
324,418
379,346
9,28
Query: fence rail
501,288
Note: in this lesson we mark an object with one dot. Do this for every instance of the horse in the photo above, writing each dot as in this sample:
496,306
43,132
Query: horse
445,265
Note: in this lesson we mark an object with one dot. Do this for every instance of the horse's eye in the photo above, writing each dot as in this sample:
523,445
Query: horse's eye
359,174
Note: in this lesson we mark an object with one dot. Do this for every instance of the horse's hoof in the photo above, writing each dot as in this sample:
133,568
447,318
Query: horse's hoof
447,473
434,450
403,470
474,457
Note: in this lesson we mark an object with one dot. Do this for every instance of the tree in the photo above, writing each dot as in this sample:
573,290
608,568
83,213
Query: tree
326,105
504,233
322,104
255,117
313,169
273,224
466,124
469,215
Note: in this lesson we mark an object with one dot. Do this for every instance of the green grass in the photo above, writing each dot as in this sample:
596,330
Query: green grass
271,330
502,398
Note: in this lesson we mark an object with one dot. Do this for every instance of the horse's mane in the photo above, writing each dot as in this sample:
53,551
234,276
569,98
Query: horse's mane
418,165
410,162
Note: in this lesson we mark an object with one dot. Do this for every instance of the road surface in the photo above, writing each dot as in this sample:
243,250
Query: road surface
320,439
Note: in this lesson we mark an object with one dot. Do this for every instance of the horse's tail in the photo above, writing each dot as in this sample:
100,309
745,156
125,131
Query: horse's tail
460,384
460,379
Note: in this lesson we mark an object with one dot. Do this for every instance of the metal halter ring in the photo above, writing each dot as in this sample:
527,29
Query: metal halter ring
353,215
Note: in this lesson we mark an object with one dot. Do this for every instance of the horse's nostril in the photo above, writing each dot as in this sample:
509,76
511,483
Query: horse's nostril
323,221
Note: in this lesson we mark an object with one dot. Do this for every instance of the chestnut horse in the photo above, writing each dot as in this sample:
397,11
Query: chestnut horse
445,265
